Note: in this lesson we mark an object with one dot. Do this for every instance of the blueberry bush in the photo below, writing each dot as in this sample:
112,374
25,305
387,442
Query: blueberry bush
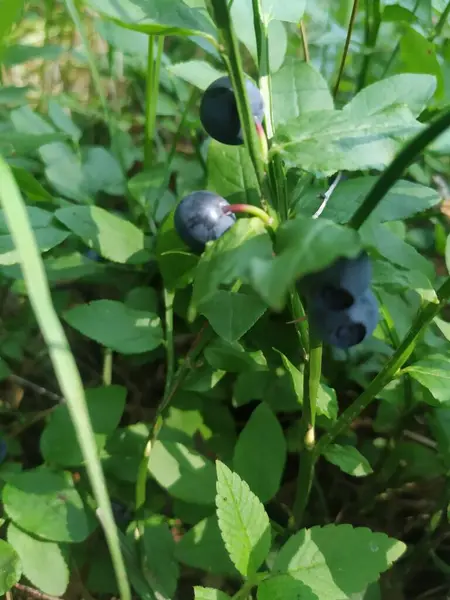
224,296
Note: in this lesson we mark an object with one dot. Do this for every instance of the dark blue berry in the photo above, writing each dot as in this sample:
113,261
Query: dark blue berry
200,218
340,284
122,515
346,327
219,114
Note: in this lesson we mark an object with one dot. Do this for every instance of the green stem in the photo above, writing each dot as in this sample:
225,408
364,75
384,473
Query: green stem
299,314
304,38
311,382
107,366
371,29
251,210
392,173
265,81
151,96
388,372
443,19
347,45
168,301
397,48
232,59
141,483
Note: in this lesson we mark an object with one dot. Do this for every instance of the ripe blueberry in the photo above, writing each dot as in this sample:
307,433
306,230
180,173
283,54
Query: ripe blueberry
200,217
347,327
219,114
341,283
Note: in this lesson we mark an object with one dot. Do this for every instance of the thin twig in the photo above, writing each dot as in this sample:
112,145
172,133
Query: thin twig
34,593
346,47
304,39
38,389
327,195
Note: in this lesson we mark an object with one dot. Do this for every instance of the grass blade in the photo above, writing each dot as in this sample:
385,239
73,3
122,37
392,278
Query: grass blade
61,356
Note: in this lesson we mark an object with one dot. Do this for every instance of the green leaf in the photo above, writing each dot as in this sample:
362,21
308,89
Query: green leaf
315,558
59,443
116,326
160,560
233,357
231,174
243,522
11,13
111,236
303,246
284,587
290,10
404,200
42,562
391,247
260,453
418,55
103,172
433,373
31,186
46,504
198,73
390,277
46,238
327,404
242,16
412,90
183,472
163,17
62,121
124,451
348,459
298,88
232,314
175,261
333,140
202,547
202,593
228,258
10,567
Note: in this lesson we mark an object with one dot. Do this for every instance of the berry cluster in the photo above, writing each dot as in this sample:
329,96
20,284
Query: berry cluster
342,309
203,216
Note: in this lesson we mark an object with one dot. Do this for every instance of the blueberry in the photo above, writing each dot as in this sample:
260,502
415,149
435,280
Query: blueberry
347,327
219,114
341,283
200,218
122,515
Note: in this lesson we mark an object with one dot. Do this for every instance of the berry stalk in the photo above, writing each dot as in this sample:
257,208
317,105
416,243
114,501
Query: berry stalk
250,210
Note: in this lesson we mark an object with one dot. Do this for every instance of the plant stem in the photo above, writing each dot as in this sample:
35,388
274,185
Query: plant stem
443,19
389,371
169,297
151,99
107,366
304,39
232,59
346,47
311,382
397,47
392,173
371,30
141,483
251,210
265,81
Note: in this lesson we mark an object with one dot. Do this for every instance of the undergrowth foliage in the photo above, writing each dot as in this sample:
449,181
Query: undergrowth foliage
224,235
